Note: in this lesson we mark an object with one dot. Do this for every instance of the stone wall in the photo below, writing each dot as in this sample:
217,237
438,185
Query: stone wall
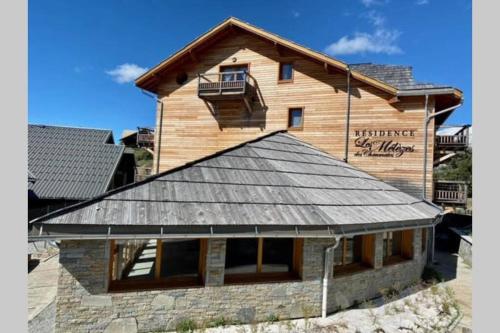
465,249
347,290
83,303
44,321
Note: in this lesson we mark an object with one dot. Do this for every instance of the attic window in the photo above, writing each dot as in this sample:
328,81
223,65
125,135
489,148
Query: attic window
285,72
181,78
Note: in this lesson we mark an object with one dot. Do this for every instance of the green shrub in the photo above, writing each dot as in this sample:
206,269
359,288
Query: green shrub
185,326
430,275
272,318
219,322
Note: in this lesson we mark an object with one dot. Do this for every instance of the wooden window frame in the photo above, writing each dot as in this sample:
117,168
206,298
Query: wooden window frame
280,81
367,257
247,64
269,277
406,249
301,127
158,282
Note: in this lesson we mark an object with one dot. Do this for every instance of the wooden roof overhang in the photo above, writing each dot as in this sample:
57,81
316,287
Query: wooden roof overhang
150,80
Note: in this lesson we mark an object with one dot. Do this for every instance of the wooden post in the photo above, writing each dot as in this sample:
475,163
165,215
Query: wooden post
202,261
111,259
344,249
158,258
260,249
298,246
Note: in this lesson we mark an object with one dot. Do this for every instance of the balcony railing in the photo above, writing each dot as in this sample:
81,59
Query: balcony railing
450,192
223,85
452,141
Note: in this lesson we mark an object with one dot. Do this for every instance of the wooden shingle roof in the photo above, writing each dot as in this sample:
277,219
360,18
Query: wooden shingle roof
276,180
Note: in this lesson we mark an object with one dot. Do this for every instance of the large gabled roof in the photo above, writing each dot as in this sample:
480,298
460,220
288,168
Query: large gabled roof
148,80
71,163
274,181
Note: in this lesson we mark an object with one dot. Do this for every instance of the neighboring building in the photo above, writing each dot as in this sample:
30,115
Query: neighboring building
450,142
290,184
67,165
143,137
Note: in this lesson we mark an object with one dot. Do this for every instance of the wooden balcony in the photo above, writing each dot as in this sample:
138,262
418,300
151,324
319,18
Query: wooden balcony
455,141
224,86
450,192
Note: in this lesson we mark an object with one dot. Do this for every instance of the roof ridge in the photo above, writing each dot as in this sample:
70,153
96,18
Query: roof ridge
73,127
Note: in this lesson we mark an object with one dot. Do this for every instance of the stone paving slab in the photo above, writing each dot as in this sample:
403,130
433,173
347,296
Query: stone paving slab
42,285
459,277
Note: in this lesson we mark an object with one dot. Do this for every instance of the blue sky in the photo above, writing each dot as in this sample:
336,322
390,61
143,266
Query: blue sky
84,54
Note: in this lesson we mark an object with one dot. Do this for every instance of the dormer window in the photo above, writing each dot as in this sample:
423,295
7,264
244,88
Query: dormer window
285,72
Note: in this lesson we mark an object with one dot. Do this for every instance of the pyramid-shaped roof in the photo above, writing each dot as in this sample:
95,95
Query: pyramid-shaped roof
276,181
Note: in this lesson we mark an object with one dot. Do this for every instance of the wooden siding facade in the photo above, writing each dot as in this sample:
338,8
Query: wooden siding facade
192,128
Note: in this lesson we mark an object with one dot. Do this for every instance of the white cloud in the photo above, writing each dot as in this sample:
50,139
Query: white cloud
295,14
369,3
126,73
375,18
422,2
380,41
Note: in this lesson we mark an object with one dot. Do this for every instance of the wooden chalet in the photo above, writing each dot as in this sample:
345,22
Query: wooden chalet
285,180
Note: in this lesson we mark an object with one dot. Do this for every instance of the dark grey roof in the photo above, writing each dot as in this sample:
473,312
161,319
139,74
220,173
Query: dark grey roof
31,177
71,163
400,77
277,180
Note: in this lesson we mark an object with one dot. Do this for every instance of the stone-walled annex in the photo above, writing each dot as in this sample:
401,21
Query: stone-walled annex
83,303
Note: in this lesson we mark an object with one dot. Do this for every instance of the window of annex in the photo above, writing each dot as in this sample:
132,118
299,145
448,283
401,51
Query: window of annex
354,254
146,264
262,259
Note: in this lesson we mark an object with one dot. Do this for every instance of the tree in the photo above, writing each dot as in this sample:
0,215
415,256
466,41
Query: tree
459,169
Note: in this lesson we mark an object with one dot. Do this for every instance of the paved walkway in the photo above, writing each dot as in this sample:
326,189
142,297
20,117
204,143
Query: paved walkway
459,277
42,285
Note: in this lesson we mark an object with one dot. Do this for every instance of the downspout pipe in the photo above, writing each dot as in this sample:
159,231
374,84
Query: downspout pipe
326,274
157,149
428,117
348,114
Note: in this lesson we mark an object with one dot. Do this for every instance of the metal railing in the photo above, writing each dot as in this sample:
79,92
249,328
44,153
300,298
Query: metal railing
451,192
223,83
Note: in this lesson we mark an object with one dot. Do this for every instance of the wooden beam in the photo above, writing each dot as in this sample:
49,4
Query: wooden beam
248,105
368,249
298,245
158,258
202,261
407,243
193,55
260,250
393,100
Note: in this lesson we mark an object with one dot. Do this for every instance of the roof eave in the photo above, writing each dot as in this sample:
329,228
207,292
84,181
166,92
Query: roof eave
39,231
431,91
143,81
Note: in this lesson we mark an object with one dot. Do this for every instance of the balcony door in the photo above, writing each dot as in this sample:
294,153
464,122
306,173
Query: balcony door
234,73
